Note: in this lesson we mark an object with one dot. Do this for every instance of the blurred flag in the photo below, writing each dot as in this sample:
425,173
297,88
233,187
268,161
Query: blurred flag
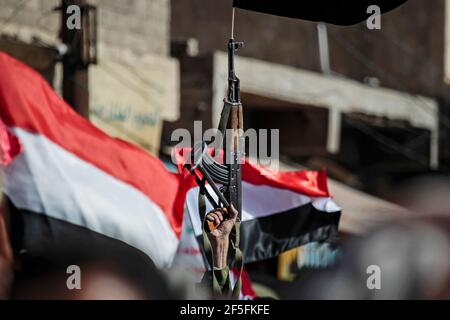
10,146
280,211
247,292
74,183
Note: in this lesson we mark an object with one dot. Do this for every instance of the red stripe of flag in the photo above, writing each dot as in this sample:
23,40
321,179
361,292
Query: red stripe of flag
306,182
27,101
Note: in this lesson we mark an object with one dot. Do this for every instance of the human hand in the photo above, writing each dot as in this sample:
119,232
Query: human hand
224,220
221,221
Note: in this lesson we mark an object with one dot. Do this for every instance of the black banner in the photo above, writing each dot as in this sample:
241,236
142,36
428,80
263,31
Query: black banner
339,12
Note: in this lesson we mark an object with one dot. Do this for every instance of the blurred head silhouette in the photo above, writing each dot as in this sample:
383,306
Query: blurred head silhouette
405,259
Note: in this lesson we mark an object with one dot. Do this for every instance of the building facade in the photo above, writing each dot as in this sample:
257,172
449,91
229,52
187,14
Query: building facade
359,118
138,26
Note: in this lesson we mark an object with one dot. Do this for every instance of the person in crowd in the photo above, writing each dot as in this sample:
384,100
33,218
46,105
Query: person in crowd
225,220
76,269
6,255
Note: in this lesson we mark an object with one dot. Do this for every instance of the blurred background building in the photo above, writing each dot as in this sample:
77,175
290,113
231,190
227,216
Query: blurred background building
370,105
117,67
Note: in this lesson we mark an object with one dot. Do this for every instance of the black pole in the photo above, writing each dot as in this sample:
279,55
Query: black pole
75,87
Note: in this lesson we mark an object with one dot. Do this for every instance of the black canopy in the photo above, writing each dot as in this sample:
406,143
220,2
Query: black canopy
340,12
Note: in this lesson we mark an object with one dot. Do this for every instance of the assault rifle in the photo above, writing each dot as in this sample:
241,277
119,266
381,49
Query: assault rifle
228,173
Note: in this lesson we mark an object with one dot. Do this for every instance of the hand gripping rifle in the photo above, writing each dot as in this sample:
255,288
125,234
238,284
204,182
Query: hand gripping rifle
228,173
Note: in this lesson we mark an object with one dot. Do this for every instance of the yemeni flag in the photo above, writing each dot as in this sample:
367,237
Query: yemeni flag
280,211
69,183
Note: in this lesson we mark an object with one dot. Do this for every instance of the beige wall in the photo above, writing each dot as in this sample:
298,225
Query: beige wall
138,26
133,45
